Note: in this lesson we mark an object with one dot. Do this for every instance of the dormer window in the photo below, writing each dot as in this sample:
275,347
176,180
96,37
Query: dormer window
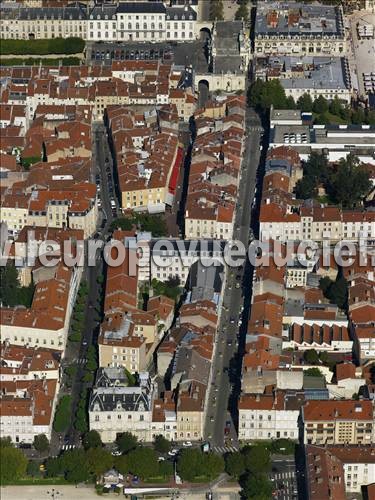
98,16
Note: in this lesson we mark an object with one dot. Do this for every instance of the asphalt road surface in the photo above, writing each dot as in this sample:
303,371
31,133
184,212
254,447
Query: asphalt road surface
225,356
283,477
78,354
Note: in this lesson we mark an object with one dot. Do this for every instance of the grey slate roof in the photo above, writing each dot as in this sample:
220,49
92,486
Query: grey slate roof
120,398
74,12
177,13
313,20
141,8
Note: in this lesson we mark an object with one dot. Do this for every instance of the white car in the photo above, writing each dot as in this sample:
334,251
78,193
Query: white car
187,444
116,453
173,452
161,459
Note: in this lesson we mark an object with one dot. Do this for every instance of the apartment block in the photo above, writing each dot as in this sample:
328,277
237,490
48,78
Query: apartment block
269,416
338,422
46,322
29,382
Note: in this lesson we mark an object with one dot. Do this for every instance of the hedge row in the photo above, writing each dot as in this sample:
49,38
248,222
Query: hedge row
42,47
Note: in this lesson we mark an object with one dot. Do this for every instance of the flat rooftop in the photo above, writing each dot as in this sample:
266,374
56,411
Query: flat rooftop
226,46
312,72
296,18
319,134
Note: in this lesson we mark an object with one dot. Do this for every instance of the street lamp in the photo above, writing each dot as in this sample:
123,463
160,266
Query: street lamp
54,493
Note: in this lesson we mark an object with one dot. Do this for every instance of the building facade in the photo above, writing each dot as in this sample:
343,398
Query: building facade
338,422
116,22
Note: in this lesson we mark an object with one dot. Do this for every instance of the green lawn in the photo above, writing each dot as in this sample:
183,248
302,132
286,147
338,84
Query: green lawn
67,46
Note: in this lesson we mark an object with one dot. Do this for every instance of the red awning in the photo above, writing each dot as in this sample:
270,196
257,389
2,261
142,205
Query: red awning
176,171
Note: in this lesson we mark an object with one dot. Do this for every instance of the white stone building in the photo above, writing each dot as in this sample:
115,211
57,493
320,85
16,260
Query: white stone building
270,416
296,28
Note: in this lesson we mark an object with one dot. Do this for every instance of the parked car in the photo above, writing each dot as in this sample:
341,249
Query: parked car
187,444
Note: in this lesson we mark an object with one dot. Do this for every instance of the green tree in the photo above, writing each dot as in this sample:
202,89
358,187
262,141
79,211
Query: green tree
63,414
11,292
349,183
126,442
335,291
143,462
315,171
256,486
358,116
132,380
41,442
242,13
370,117
54,467
235,464
74,466
213,464
323,119
320,105
257,459
313,372
290,103
13,464
6,442
33,468
122,464
216,10
306,188
124,223
27,162
311,357
305,103
166,469
263,95
161,444
335,106
98,461
92,439
190,464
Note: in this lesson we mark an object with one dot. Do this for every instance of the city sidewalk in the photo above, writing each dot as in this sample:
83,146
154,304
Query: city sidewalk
31,492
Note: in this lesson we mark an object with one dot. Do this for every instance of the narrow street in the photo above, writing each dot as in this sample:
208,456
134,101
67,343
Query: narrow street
227,361
77,353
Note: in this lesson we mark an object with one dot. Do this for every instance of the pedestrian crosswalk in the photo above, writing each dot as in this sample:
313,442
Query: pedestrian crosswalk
283,475
81,361
225,449
66,447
